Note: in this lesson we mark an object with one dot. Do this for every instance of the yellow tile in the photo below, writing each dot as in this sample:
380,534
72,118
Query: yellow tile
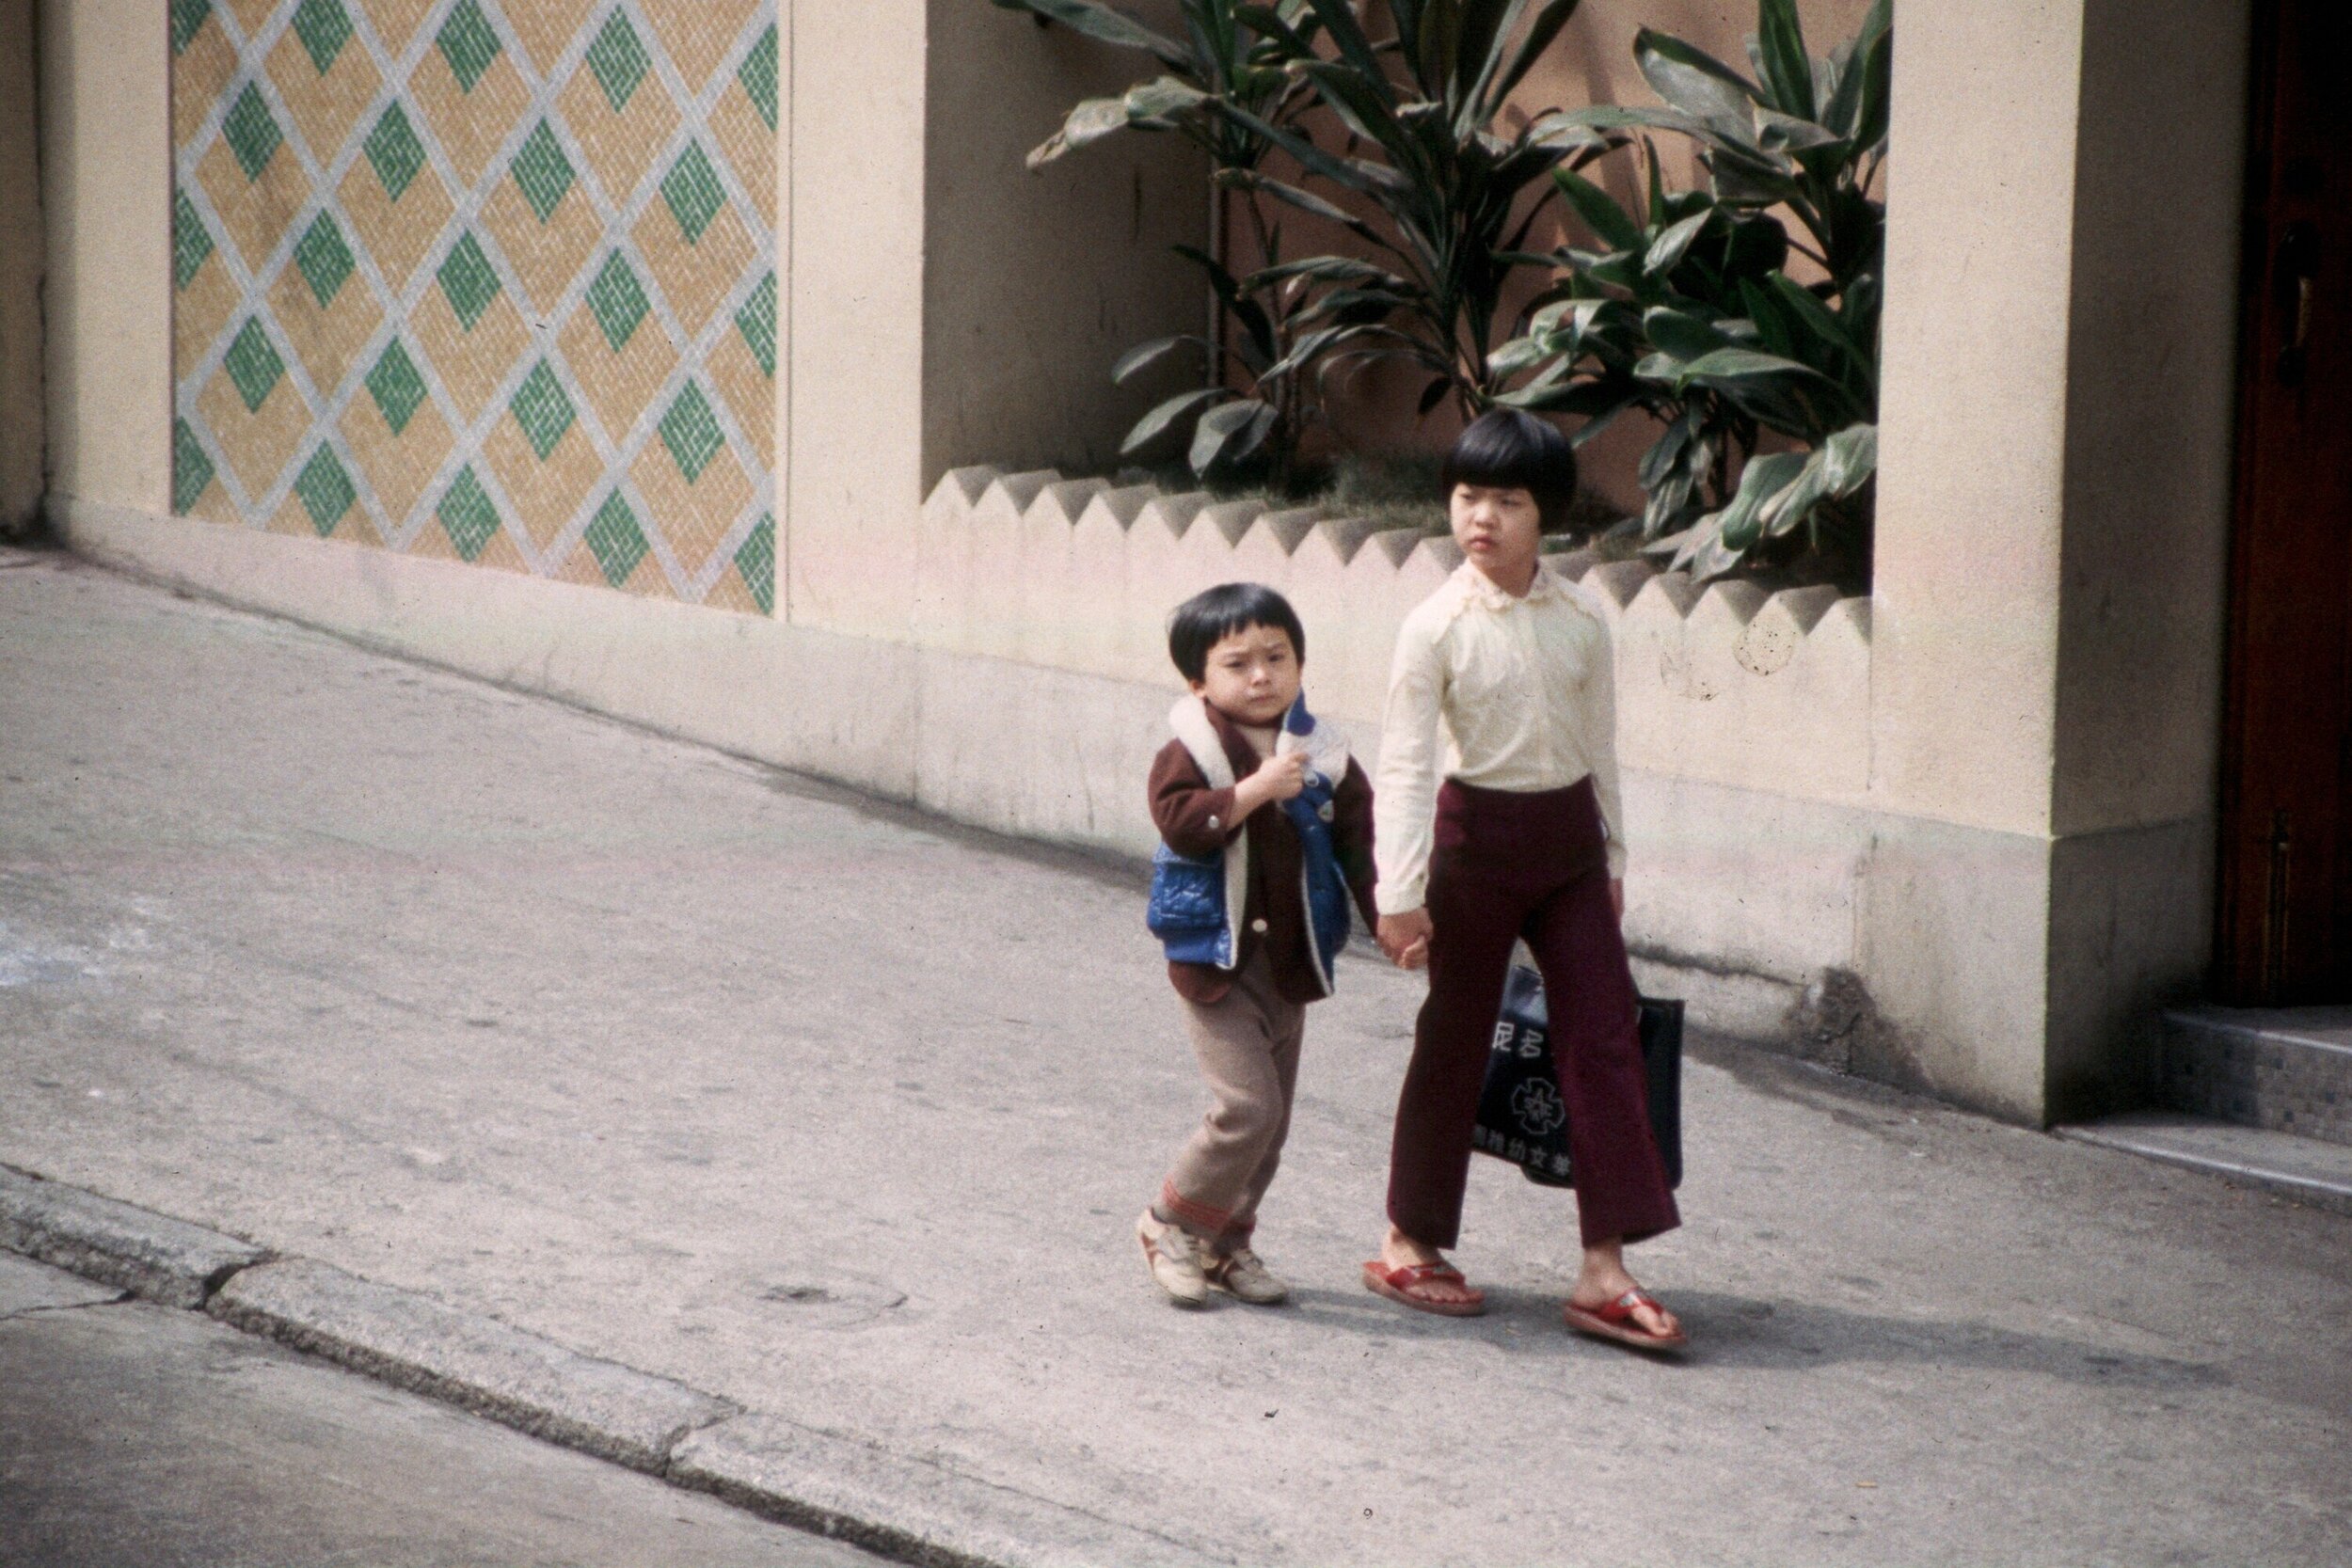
328,341
255,212
470,126
215,506
730,592
326,109
620,148
546,27
200,79
396,468
471,364
200,312
750,147
259,444
353,528
545,256
547,496
750,397
620,386
698,277
399,234
396,21
699,33
252,13
692,518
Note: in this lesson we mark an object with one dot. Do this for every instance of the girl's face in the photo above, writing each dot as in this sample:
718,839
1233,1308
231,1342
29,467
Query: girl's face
1499,528
1252,675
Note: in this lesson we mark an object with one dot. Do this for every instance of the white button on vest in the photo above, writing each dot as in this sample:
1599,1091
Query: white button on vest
1258,925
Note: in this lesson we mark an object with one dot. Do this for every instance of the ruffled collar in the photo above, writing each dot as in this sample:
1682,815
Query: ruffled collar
1478,589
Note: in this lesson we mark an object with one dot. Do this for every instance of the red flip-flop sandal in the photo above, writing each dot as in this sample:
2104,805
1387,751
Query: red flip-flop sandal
1404,1285
1615,1322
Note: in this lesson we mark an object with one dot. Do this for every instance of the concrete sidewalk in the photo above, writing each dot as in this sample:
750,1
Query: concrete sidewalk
843,1117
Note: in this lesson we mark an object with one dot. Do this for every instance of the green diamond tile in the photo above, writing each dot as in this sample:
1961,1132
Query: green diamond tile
755,558
616,540
618,302
325,259
394,152
468,280
187,16
326,491
469,44
253,134
467,516
619,59
543,172
693,190
191,242
396,386
543,409
758,76
191,467
756,321
323,26
691,433
253,364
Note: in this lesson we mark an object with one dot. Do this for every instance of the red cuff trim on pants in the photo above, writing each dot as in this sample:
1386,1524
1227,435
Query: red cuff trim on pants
1194,1216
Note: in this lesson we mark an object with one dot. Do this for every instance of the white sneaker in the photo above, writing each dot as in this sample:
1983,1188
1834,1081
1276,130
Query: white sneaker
1175,1258
1243,1275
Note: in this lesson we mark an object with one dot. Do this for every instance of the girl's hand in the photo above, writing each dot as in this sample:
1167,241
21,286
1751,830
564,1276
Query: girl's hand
1404,938
1617,897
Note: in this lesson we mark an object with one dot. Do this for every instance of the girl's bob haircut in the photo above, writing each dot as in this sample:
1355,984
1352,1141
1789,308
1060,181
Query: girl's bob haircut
1203,620
1509,448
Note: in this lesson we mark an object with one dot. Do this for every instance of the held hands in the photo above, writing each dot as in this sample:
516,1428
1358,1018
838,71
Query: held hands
1404,938
1277,778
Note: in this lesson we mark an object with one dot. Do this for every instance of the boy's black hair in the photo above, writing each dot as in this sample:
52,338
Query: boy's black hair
1203,620
1510,448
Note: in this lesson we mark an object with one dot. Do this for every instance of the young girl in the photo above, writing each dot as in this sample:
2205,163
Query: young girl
1524,839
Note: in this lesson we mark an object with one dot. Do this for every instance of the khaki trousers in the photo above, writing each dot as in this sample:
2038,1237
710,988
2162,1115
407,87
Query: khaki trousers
1247,1043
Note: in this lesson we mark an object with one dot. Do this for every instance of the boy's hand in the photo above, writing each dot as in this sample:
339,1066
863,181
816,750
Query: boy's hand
1277,778
1404,938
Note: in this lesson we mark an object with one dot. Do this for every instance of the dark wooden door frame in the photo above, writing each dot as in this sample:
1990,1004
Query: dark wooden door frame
2284,915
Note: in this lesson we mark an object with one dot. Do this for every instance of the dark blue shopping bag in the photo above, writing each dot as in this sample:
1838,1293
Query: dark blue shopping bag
1521,1117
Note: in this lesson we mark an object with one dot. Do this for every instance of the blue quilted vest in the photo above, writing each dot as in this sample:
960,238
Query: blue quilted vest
1196,902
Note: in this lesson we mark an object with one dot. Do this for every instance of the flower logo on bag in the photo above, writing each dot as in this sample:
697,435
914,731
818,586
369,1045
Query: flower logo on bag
1538,1108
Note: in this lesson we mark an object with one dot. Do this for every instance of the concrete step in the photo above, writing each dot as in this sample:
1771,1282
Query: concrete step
2288,1070
2307,1170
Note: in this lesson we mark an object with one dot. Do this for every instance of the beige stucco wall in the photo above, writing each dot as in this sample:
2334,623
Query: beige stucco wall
22,416
2051,511
105,180
2010,849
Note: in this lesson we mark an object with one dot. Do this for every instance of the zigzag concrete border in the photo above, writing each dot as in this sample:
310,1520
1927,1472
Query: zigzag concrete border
1727,684
907,1508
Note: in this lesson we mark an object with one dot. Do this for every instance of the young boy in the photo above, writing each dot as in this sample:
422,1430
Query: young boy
1523,839
1266,830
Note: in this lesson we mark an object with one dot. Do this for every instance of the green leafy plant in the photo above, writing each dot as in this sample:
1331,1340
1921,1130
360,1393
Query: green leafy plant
1227,86
1441,196
1689,315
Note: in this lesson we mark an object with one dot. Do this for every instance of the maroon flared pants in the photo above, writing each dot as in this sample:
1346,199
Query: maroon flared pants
1506,865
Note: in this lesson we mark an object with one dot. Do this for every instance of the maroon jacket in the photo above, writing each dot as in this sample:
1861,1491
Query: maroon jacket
1197,819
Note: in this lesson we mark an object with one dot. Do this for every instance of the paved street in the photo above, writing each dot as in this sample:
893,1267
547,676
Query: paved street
132,1434
844,1115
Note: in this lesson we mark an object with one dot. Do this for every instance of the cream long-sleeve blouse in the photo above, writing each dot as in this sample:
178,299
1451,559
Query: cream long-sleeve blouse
1522,694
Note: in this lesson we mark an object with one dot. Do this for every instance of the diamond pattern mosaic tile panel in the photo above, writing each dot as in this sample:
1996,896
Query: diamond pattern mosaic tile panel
492,280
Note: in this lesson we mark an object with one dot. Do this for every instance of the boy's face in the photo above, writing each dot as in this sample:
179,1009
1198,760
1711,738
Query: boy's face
1500,528
1252,675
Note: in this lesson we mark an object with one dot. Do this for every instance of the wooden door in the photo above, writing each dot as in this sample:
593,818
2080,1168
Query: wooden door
2285,934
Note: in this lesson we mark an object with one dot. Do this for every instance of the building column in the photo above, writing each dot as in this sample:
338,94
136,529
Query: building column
2053,514
23,420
